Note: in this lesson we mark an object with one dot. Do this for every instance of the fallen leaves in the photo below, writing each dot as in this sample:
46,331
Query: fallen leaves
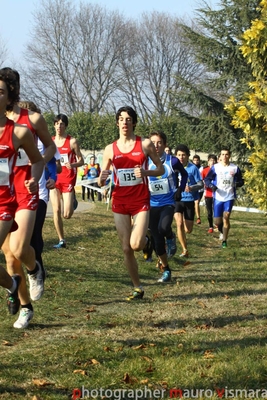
208,354
41,382
128,379
6,343
80,371
201,304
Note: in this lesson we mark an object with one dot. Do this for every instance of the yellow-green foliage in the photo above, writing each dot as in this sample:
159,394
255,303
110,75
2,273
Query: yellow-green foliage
250,113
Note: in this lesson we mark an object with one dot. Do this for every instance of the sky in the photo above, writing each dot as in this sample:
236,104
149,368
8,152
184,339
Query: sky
15,31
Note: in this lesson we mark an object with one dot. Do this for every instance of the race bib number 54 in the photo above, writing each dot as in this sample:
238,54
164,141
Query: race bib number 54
127,177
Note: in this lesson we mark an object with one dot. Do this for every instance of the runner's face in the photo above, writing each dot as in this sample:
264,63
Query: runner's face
225,157
158,143
125,123
182,157
60,127
211,162
3,97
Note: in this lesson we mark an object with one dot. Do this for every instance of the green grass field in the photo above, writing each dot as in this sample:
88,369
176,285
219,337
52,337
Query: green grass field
204,334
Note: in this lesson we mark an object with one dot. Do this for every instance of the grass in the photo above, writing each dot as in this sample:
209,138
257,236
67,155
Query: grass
204,330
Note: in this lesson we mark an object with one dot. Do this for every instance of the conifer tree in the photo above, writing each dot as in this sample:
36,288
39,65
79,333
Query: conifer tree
216,41
250,112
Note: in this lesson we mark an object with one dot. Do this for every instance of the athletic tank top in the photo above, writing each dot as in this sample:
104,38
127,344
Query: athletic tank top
8,156
67,155
23,167
162,188
129,189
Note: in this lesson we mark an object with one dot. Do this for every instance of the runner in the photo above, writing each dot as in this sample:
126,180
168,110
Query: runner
223,179
12,138
71,159
185,208
164,191
130,197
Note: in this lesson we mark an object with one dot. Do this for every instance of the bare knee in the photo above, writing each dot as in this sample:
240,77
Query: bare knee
127,250
67,215
137,244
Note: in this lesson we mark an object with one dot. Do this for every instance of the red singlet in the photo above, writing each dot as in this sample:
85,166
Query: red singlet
130,193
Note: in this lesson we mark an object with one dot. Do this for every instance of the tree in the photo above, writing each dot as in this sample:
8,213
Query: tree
215,40
87,59
249,113
3,52
93,131
73,56
156,53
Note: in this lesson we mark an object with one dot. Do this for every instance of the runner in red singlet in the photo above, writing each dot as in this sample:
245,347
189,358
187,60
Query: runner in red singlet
71,159
130,198
13,137
17,247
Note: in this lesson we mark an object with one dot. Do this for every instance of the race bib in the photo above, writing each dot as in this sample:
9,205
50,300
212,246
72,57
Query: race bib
4,172
22,158
127,178
159,186
64,159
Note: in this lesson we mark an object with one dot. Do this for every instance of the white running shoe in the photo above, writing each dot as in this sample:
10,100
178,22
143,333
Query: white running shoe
221,236
36,282
24,318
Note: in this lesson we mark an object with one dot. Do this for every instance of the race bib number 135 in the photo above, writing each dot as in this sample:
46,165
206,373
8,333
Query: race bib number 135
127,177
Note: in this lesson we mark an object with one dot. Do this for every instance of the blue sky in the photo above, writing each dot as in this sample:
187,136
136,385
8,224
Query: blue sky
16,17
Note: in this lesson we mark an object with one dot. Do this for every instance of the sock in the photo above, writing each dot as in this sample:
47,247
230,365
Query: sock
13,287
220,227
36,269
28,306
167,268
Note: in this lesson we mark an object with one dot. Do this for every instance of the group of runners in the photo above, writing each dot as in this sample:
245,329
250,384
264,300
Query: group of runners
30,162
151,187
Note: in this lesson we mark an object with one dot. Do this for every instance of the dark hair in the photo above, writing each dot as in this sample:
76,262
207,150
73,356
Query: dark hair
8,76
15,72
212,156
63,118
196,156
130,111
183,148
161,134
225,148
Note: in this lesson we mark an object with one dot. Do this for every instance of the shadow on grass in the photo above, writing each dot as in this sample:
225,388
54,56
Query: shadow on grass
48,391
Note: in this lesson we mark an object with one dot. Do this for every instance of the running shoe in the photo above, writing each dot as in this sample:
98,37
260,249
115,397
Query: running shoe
61,245
36,282
184,254
137,294
25,316
198,222
210,230
13,302
171,246
221,236
166,277
224,244
148,249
